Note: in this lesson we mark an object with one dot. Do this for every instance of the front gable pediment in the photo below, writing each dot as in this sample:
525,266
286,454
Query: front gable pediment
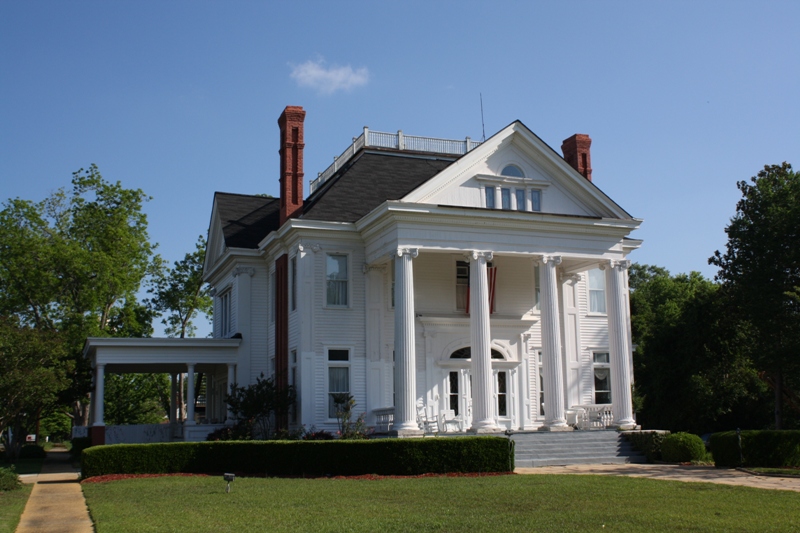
561,189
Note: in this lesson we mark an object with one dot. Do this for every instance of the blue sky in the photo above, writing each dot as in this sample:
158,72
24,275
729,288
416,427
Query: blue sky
181,99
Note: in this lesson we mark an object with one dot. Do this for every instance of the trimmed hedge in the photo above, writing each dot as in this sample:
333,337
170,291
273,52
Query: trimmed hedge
683,448
767,448
305,458
647,442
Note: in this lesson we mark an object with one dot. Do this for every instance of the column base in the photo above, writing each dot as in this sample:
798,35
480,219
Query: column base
407,433
486,431
627,426
556,428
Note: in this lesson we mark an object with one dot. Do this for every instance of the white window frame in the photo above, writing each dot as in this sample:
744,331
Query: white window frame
505,394
337,364
347,281
456,284
530,185
225,307
505,192
490,198
537,290
293,283
604,365
602,292
540,194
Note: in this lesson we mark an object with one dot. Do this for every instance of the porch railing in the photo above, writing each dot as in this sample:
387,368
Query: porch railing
396,141
594,416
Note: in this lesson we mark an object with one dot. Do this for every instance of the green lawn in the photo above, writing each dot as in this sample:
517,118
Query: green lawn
11,506
776,471
502,503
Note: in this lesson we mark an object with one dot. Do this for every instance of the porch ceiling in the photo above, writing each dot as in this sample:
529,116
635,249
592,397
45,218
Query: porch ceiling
160,355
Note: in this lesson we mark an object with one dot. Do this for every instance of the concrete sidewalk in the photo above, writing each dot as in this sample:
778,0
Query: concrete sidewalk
703,474
56,503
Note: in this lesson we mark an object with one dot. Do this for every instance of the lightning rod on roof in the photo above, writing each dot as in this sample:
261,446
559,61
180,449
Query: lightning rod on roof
483,128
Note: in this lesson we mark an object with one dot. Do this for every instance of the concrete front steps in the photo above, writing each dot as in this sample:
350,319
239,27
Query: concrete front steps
545,448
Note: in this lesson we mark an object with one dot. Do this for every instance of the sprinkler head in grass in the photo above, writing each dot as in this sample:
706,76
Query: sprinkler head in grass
228,478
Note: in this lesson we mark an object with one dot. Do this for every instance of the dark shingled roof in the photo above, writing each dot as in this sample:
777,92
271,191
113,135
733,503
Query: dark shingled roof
367,182
246,219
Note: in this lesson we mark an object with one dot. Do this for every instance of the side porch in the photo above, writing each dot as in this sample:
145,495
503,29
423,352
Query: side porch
154,355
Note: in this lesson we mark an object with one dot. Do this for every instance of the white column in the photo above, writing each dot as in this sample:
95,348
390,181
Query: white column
405,416
551,347
480,345
190,395
231,381
619,347
173,398
99,393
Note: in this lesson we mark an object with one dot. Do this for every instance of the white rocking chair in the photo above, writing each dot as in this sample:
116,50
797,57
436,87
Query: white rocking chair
426,424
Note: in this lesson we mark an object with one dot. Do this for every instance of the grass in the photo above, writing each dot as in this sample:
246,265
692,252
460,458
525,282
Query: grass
501,503
24,466
11,506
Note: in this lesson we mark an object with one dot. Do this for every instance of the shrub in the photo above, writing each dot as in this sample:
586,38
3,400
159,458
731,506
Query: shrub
238,431
305,458
32,451
767,448
318,434
78,445
682,448
9,480
647,442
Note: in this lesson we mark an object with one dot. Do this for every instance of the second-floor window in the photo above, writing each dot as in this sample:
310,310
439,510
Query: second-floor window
225,325
597,291
336,279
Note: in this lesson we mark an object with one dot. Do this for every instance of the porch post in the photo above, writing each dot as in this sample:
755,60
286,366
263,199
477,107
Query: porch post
231,381
551,347
190,395
173,400
405,416
99,392
480,345
619,347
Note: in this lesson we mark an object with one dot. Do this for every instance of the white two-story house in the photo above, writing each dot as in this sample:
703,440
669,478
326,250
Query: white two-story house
480,285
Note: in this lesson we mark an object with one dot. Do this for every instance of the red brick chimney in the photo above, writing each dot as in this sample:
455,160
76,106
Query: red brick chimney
291,151
576,153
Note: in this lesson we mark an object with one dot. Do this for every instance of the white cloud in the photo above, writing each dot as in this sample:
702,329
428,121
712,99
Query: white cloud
327,80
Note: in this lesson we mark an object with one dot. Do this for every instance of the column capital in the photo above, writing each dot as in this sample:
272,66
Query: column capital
620,264
250,271
555,259
413,252
477,254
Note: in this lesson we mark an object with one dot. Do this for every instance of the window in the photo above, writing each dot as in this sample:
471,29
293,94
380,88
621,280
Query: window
512,170
505,195
293,283
338,377
453,395
536,200
602,377
520,194
490,196
537,289
272,367
273,294
466,353
597,291
336,277
502,393
293,383
394,266
225,325
541,382
462,284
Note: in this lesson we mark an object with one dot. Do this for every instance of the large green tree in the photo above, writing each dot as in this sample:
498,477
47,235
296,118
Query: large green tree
34,368
760,272
692,371
71,265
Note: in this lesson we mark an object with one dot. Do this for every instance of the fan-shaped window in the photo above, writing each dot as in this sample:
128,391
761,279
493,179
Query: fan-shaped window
466,353
513,171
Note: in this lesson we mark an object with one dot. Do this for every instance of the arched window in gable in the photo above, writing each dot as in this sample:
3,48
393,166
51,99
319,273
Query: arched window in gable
512,171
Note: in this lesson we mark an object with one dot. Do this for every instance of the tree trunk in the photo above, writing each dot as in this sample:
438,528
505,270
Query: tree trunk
778,399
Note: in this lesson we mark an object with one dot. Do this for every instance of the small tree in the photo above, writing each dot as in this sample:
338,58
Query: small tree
259,403
349,430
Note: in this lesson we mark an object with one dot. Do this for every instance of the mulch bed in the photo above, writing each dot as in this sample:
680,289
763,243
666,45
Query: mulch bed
369,477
